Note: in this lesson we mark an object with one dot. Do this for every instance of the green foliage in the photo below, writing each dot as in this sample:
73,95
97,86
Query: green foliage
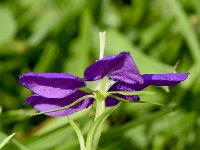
78,133
91,141
6,140
62,36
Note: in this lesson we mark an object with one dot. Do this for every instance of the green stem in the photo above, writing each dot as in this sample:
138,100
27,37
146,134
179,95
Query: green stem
100,103
92,140
100,108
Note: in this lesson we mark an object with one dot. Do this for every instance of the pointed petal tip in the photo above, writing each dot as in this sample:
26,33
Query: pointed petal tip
26,102
20,79
186,75
181,76
169,79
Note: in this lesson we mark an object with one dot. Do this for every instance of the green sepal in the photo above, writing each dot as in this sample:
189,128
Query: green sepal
78,133
65,107
154,103
87,90
122,99
131,92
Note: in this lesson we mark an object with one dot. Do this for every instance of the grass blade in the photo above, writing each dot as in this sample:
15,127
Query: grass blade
78,133
4,142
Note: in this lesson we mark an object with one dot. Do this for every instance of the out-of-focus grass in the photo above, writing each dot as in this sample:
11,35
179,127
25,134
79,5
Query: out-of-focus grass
62,36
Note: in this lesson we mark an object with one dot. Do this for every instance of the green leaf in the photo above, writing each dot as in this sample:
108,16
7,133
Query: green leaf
122,99
7,25
51,139
132,92
154,32
78,133
154,103
186,28
116,131
47,58
4,142
14,115
196,5
43,26
85,35
93,129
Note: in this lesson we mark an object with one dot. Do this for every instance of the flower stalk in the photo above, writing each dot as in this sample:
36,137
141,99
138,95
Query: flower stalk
100,108
99,96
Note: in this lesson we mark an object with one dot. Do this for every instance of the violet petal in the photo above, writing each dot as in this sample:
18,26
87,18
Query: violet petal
45,104
51,85
110,101
169,79
133,98
118,67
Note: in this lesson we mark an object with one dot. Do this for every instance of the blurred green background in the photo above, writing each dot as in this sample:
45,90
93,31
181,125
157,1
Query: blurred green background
62,36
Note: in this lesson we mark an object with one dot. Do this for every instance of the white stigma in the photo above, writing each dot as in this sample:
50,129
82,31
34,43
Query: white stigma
102,38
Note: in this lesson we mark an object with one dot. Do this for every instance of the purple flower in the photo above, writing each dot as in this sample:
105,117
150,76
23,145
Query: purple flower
56,90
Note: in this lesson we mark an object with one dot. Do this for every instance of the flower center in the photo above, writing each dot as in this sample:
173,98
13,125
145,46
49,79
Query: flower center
102,85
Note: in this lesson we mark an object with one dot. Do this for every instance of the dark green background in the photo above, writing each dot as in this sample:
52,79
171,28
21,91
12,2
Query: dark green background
62,36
